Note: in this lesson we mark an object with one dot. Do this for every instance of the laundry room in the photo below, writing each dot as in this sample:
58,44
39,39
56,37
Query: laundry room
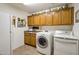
39,29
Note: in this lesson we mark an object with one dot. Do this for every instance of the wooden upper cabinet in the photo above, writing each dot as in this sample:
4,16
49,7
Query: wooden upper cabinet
36,20
67,16
59,17
72,15
42,19
49,19
56,17
30,20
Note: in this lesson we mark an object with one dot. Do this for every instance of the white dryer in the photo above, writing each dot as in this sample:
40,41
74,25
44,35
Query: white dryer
44,42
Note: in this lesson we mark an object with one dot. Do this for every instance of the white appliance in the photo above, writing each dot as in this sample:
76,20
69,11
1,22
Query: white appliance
67,44
44,41
5,35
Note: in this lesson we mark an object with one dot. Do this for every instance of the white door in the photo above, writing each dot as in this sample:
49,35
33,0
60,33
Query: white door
5,47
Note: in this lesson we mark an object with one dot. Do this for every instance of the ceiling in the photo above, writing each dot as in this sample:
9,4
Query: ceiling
36,7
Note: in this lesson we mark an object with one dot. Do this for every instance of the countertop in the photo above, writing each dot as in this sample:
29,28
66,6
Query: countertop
32,31
67,35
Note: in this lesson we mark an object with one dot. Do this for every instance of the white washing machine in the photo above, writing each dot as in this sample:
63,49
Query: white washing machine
44,42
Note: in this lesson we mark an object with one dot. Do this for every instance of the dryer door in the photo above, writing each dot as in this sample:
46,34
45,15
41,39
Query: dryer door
42,42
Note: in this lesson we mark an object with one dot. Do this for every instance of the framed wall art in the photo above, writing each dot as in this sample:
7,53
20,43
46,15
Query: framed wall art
21,22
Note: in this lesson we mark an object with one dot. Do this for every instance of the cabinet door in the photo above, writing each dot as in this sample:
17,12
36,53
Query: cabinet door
42,19
49,19
67,16
33,40
57,18
30,20
72,15
27,38
36,20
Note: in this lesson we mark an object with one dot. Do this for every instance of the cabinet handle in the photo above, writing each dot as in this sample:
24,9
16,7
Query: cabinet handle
59,37
71,39
66,38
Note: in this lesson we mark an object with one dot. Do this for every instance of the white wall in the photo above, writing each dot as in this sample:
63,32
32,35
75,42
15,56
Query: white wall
51,28
17,33
76,7
76,26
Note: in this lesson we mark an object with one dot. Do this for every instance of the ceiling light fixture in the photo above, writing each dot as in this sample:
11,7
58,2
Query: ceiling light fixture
28,3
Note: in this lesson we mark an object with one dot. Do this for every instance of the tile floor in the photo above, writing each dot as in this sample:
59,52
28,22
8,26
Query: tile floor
26,50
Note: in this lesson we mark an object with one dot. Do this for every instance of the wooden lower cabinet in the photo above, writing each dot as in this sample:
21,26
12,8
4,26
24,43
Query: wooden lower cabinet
27,39
33,41
30,38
